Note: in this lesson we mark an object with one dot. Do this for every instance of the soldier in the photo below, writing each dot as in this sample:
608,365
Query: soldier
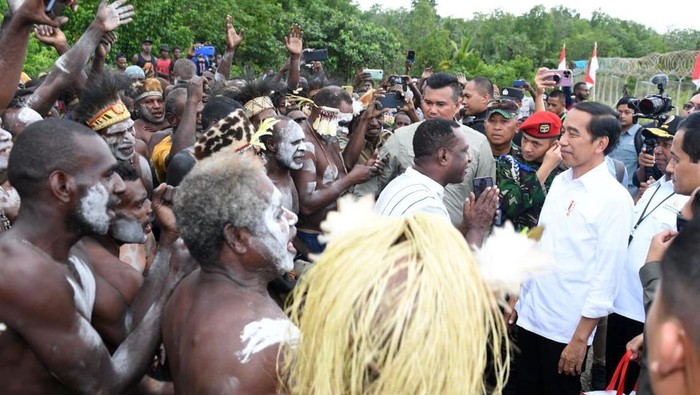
525,176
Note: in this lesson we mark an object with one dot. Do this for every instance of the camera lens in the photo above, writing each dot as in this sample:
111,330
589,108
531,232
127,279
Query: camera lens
556,78
567,74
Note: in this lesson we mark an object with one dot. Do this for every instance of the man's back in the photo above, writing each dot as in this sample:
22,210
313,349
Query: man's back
400,148
221,338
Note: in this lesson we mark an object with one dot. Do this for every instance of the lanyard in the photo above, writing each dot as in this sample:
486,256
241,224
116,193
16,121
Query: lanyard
643,217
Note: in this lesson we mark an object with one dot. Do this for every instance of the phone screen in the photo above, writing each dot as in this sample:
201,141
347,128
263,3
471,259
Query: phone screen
411,57
391,100
480,184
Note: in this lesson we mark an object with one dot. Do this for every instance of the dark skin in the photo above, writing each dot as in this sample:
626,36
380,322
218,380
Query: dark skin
315,197
47,340
145,129
67,71
234,290
17,25
278,172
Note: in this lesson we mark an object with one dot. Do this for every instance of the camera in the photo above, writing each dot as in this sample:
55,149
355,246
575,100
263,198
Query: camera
655,106
395,80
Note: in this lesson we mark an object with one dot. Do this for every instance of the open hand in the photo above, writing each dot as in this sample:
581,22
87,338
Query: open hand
50,35
111,16
294,41
233,39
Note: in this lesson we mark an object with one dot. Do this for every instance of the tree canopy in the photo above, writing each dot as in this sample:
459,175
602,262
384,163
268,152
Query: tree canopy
498,45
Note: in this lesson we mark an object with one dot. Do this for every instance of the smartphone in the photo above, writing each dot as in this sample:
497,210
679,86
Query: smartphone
316,55
480,184
518,83
395,80
411,57
375,74
55,8
391,100
206,50
562,77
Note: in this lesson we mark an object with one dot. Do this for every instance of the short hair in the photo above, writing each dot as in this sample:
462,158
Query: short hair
127,171
121,55
184,69
218,191
680,274
578,85
217,108
484,86
441,80
42,148
172,99
332,96
605,122
432,135
691,139
177,47
624,100
557,94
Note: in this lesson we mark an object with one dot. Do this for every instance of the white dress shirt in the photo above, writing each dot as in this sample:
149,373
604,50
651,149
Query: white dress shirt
409,193
586,226
659,206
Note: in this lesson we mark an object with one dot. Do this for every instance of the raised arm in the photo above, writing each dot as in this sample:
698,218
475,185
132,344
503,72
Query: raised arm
17,25
233,40
69,66
294,43
184,136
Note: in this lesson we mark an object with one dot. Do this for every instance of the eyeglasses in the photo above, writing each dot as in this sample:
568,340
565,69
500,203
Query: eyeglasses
503,104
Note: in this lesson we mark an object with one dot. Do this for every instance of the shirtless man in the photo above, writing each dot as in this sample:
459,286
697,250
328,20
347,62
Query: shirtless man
102,111
148,108
221,329
117,281
9,199
285,150
64,174
323,177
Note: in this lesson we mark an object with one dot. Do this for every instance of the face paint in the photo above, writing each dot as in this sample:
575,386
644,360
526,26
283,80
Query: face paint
5,148
121,139
292,148
92,209
127,230
273,237
149,116
344,120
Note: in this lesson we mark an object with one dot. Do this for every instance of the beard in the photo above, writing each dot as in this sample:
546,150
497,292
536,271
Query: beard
90,216
127,230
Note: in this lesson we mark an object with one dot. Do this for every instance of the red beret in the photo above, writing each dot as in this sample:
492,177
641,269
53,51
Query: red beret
542,125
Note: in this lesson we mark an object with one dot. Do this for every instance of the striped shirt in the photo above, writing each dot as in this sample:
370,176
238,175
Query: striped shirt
409,193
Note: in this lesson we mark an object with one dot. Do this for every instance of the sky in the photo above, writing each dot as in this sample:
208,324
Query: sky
625,9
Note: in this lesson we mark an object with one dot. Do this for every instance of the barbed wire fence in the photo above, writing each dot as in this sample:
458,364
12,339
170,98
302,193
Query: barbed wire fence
632,76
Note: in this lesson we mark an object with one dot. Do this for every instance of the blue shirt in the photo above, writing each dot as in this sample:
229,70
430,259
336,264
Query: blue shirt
627,153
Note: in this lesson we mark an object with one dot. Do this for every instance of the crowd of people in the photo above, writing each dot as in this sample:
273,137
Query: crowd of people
166,227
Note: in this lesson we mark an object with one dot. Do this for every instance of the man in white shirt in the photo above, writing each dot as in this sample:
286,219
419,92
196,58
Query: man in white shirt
656,211
442,156
441,100
586,218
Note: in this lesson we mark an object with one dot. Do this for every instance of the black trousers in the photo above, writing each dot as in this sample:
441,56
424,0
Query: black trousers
620,331
537,364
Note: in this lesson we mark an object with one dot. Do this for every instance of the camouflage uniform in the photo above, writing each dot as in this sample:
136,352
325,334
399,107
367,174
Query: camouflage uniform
522,195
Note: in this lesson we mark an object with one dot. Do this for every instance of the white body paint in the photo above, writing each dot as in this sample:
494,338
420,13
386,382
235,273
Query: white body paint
3,327
292,148
27,116
261,334
271,239
93,208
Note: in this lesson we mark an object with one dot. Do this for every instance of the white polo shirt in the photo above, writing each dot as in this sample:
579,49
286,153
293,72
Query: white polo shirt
659,207
586,225
409,193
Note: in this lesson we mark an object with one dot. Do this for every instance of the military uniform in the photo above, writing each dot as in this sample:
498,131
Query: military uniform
522,195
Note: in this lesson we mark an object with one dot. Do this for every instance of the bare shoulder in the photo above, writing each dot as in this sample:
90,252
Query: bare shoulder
23,272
